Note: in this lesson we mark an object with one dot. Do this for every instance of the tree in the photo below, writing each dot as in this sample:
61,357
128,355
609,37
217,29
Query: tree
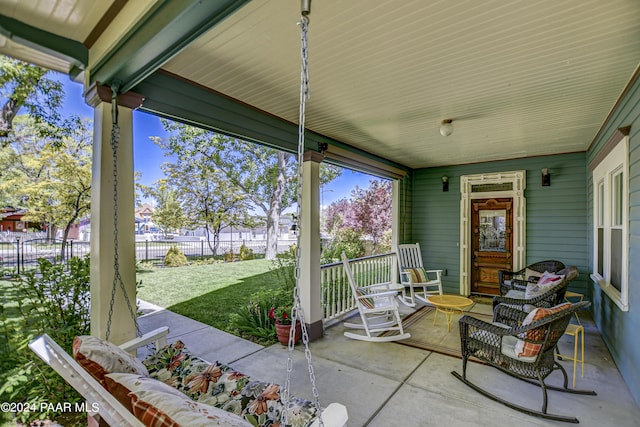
262,175
372,209
208,204
168,213
27,86
53,180
367,212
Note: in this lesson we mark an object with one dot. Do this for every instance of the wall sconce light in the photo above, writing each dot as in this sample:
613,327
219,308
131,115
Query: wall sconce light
294,224
546,177
446,128
445,183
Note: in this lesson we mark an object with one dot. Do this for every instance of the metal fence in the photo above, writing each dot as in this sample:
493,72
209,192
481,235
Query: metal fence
18,255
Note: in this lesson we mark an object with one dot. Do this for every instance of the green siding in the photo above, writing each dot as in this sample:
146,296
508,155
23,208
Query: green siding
618,328
556,227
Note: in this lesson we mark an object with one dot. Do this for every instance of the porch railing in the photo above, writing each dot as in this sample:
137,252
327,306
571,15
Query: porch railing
337,299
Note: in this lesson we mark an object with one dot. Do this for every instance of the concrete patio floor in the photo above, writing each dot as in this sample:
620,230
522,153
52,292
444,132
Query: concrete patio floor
389,384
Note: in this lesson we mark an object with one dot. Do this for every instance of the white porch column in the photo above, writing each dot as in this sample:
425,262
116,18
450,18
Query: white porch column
310,245
395,226
102,215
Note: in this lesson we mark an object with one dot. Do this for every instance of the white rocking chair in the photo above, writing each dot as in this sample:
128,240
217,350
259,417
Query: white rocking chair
378,311
419,283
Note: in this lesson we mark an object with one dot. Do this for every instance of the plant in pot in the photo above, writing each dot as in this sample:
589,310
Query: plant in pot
282,317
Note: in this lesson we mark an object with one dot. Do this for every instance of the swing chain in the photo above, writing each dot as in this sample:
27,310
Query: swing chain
117,278
297,310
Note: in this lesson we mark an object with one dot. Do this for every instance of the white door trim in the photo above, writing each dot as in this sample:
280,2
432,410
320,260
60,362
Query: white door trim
517,179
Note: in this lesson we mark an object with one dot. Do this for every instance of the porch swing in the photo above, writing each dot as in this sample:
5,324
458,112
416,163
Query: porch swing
109,405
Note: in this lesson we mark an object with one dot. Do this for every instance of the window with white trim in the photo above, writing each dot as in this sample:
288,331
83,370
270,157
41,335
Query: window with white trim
610,224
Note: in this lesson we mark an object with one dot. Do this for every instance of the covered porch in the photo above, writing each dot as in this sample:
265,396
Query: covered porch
384,384
526,88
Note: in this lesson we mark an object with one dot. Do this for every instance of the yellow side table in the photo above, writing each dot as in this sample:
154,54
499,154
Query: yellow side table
449,305
577,332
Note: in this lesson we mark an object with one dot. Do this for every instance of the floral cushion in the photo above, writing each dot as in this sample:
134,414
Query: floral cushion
221,386
120,385
100,357
526,348
171,363
158,409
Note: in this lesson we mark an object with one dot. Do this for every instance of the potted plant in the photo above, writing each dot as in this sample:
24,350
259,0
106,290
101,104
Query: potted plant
282,317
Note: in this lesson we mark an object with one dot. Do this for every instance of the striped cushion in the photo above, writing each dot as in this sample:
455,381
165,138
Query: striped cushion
100,357
418,275
527,349
157,409
367,302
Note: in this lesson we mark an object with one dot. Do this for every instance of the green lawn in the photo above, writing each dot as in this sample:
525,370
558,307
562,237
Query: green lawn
207,293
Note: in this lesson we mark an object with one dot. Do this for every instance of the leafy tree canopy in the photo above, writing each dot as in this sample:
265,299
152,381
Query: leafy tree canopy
367,212
28,87
240,170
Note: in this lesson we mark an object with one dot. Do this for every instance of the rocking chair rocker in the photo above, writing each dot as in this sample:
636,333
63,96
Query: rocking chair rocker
378,310
532,360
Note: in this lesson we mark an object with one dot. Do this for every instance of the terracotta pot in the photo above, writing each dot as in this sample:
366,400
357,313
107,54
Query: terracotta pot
282,331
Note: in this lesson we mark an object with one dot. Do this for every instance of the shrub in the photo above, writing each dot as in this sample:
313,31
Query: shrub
230,256
246,253
346,240
254,322
284,268
48,301
175,257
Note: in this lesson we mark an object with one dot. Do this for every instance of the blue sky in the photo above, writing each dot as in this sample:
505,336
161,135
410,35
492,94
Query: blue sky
147,157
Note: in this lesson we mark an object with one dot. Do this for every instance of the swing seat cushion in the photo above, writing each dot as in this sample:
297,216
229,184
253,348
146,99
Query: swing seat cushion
161,409
100,357
223,387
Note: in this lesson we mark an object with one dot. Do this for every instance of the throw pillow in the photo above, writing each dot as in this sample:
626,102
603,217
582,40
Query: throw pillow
417,275
532,275
550,278
158,409
367,302
100,357
526,348
545,282
120,385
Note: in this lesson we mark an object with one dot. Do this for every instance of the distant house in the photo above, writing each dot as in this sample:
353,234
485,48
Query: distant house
143,221
11,220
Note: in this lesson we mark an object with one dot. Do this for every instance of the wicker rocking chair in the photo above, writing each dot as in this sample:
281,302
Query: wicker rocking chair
550,298
509,280
497,344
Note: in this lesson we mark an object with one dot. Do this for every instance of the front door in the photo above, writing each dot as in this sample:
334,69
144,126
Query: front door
491,229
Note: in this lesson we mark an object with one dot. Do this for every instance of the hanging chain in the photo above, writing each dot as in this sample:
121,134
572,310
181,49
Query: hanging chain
297,312
117,278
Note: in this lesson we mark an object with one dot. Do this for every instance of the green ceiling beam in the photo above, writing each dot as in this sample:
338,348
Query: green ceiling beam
163,32
172,97
60,47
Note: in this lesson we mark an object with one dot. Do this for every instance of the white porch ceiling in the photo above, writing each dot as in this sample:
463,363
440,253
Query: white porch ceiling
517,78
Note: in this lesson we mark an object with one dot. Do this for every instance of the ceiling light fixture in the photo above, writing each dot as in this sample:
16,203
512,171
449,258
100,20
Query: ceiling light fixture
446,128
